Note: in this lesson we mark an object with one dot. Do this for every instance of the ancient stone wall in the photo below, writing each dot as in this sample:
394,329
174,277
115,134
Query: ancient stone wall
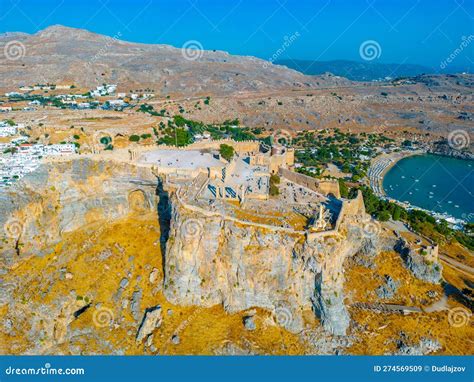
325,187
239,146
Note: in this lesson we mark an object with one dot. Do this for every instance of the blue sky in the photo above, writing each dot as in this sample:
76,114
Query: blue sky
407,31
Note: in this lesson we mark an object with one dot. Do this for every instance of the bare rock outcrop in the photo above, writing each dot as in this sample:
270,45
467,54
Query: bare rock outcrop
211,260
151,320
423,263
35,214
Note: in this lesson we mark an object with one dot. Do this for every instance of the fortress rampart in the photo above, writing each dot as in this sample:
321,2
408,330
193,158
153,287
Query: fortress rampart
325,187
239,146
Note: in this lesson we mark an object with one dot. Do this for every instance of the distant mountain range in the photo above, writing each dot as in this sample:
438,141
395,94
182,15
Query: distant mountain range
361,71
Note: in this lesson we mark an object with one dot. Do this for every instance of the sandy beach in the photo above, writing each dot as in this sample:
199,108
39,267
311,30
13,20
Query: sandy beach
380,166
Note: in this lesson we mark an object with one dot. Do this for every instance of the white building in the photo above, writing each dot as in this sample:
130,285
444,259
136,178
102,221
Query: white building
13,94
7,130
103,90
114,103
61,149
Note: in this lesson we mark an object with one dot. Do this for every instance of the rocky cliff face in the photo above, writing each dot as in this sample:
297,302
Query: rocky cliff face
211,260
465,150
59,198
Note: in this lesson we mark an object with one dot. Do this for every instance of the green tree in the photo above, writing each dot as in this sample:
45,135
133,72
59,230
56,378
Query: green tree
183,138
227,152
397,212
344,190
384,216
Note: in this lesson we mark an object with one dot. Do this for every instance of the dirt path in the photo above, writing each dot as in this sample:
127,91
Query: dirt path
457,265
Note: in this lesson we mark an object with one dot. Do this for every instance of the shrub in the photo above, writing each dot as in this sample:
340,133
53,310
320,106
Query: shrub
227,152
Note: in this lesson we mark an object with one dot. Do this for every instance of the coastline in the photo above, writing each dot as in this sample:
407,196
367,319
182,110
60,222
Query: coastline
382,164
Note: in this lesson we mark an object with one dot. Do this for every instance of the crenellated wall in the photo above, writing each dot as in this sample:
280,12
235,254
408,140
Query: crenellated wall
240,147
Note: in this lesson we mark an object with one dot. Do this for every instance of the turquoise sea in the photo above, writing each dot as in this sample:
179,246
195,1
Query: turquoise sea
435,183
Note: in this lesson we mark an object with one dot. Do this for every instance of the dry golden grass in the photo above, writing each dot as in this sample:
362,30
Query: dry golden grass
377,332
201,330
361,282
133,250
296,221
459,253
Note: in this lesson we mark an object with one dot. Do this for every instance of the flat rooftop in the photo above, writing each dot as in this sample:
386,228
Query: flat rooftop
180,159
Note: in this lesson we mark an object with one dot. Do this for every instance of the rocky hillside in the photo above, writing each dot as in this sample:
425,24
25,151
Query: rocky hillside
60,198
95,259
263,95
59,54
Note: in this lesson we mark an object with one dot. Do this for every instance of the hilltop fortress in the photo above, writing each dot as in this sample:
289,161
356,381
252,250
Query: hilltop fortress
230,243
224,239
